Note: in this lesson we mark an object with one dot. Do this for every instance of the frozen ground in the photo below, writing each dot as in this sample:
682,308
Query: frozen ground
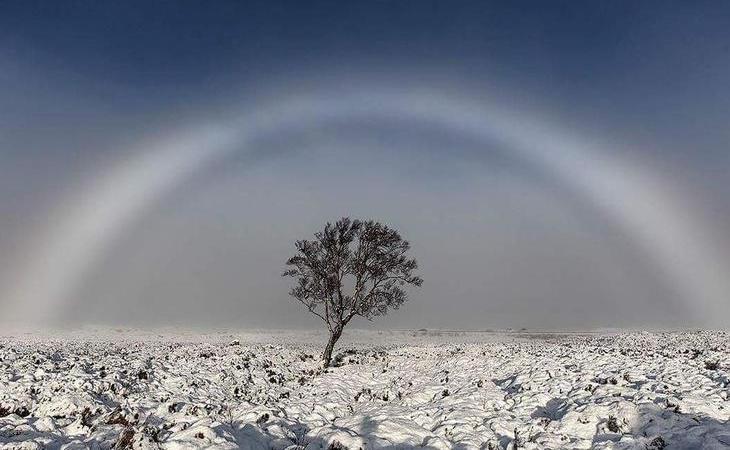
390,390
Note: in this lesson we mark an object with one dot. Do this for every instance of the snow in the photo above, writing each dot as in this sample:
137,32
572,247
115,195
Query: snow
395,390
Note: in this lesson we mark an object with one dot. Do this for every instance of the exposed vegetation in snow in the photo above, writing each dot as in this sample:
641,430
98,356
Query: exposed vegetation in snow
389,390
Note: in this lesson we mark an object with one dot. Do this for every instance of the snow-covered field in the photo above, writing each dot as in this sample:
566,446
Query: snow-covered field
389,390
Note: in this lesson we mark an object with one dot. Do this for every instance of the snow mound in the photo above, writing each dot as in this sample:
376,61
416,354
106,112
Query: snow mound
386,391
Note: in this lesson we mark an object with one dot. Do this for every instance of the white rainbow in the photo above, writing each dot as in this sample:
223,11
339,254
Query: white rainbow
83,230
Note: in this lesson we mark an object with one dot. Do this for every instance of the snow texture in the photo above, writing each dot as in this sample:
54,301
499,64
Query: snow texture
392,390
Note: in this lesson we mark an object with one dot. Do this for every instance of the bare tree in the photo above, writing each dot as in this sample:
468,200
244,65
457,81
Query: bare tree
351,268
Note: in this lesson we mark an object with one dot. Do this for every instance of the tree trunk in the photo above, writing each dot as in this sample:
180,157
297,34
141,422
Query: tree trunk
327,355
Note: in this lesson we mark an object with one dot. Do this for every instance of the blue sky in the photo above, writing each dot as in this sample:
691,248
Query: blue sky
87,85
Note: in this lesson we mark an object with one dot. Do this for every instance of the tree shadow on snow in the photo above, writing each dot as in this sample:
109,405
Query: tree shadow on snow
367,430
554,409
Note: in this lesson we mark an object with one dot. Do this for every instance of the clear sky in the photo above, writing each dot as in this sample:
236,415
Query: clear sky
554,164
